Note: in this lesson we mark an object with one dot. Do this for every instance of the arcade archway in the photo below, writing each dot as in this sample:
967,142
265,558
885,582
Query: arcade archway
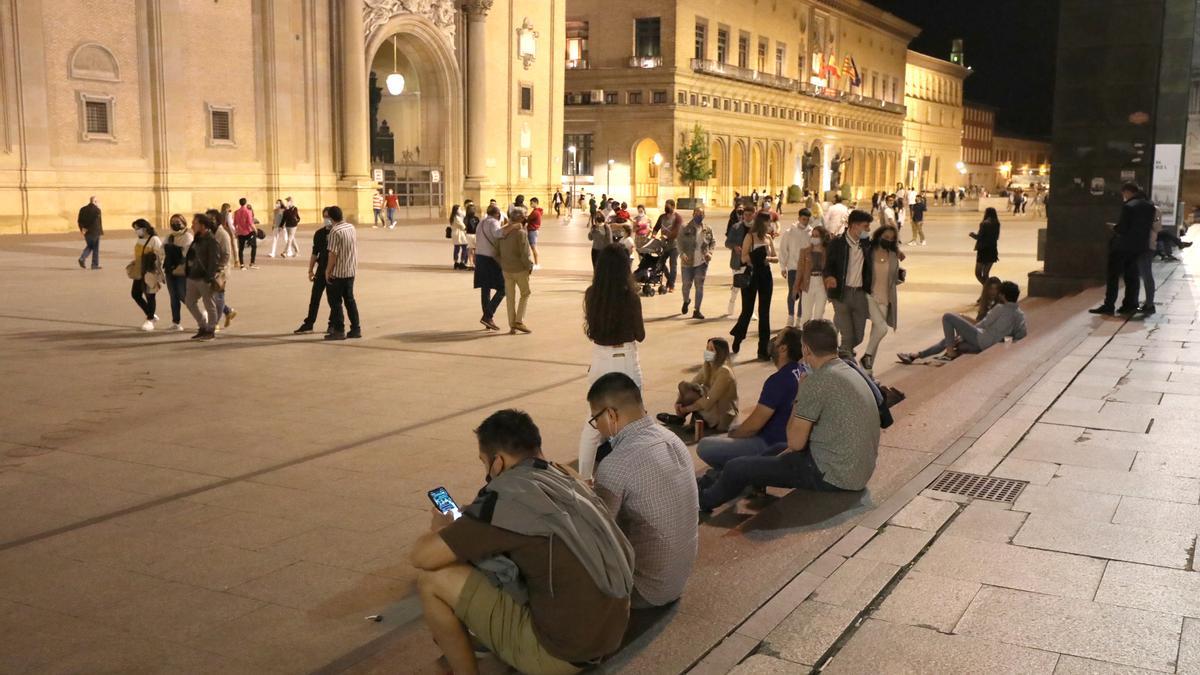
647,163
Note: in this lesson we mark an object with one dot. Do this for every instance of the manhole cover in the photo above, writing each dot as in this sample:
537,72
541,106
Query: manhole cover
979,487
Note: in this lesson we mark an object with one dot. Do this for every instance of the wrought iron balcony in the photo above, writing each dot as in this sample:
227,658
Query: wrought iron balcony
577,64
740,74
875,103
645,62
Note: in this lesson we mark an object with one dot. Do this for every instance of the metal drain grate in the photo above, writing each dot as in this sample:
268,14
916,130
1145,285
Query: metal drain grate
980,487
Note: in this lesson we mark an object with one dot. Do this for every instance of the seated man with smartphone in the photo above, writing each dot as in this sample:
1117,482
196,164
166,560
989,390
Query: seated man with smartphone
536,568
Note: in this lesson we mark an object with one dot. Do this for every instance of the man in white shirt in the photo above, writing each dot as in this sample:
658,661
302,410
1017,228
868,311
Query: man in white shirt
835,217
792,244
889,212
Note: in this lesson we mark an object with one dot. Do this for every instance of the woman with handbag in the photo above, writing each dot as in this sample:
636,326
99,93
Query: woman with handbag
146,270
612,320
809,284
175,266
987,251
457,232
471,225
756,281
882,300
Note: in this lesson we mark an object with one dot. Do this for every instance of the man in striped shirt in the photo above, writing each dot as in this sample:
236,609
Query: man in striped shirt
377,207
339,277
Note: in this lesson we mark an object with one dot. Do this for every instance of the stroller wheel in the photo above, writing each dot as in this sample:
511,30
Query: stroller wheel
662,290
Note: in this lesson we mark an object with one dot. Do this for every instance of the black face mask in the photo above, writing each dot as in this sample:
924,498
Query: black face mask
887,244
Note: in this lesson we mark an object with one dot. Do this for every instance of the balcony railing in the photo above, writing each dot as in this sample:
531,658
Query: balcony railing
875,103
645,62
740,74
577,64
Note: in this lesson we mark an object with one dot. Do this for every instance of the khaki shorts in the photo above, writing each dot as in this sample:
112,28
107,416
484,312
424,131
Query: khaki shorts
506,628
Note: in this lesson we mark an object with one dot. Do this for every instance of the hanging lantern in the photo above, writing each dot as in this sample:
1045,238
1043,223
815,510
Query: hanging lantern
395,81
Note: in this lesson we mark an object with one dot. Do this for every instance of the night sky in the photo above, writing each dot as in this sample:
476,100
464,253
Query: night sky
1010,44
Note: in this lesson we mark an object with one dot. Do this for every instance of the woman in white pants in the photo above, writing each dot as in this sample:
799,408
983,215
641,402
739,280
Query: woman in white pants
612,312
810,281
278,232
882,300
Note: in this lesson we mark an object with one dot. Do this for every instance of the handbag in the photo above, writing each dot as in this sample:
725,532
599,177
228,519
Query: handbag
447,231
901,276
131,270
259,233
742,278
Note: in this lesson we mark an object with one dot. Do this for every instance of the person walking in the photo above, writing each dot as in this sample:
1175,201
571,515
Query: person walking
882,301
224,237
243,226
516,263
91,227
489,278
847,277
1129,240
600,234
835,218
291,220
318,263
809,282
669,224
612,313
792,245
175,251
458,238
918,221
696,244
758,250
339,277
533,226
392,202
986,248
277,231
471,223
557,202
146,270
735,234
377,209
203,273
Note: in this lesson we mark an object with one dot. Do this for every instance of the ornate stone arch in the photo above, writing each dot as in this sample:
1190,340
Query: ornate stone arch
93,61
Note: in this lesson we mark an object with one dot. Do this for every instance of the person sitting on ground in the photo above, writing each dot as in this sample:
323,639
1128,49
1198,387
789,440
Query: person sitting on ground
764,432
536,568
1004,320
989,298
711,396
832,436
646,481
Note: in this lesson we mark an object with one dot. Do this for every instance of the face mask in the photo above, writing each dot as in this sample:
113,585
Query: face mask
328,222
141,232
887,244
709,356
177,227
864,235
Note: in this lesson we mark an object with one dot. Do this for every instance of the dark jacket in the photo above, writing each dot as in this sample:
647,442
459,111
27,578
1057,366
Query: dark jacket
1132,233
837,261
202,258
987,242
291,216
89,220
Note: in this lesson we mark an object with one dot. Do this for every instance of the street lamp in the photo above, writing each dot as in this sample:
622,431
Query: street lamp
574,170
608,180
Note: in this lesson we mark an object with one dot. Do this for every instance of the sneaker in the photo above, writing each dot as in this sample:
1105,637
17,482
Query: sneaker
942,358
1102,309
354,334
243,267
867,362
253,266
336,335
97,267
535,267
686,304
521,327
906,359
230,317
270,255
489,324
148,325
210,335
1185,244
671,419
304,329
199,334
155,318
216,328
924,242
1170,258
81,265
697,315
175,328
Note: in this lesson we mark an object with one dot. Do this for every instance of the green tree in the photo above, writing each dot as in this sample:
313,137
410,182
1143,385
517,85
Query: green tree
693,161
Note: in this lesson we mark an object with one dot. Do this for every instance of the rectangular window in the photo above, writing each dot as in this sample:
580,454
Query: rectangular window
583,154
658,97
648,37
722,45
577,45
526,101
744,50
780,53
701,39
681,98
610,98
634,98
220,124
762,55
95,117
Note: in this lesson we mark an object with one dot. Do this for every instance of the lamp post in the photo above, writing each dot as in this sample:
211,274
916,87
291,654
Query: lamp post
608,180
574,170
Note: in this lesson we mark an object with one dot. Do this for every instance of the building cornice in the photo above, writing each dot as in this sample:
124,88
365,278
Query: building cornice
933,63
873,16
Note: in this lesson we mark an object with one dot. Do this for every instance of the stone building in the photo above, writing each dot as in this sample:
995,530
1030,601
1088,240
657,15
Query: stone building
758,78
979,130
1020,162
933,123
162,106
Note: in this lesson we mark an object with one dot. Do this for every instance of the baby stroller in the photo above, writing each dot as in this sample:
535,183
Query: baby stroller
652,268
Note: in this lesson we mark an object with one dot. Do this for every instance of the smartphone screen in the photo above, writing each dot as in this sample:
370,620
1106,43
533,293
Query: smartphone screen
444,503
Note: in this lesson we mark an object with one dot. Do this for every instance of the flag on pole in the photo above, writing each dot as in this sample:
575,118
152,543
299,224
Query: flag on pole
850,70
831,69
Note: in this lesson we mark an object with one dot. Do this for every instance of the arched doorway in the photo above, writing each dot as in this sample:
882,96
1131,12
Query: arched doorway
814,164
737,165
719,183
420,150
774,167
647,162
756,166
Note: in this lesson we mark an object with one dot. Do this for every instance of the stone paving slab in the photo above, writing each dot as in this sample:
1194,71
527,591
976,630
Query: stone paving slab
1076,454
1152,588
895,545
1067,503
761,664
1033,472
1150,486
808,632
1152,513
1105,540
1189,647
983,521
855,583
1011,566
1073,626
923,513
1073,665
884,647
928,601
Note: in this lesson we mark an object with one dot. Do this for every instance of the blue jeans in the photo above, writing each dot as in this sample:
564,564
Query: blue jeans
378,217
954,329
694,275
222,308
391,215
460,254
1147,272
93,247
717,451
672,266
177,289
795,470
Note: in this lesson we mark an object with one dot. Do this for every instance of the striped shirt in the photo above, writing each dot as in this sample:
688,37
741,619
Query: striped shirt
342,241
377,201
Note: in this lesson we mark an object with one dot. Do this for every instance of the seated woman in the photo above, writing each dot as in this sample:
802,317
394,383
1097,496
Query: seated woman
989,298
711,396
1005,321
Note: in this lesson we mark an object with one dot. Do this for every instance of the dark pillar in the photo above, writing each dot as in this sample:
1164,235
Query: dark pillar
1117,87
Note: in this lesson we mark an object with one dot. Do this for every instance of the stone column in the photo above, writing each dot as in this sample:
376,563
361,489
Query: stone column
356,155
477,11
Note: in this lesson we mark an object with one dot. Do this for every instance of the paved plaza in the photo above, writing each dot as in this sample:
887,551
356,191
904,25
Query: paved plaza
243,505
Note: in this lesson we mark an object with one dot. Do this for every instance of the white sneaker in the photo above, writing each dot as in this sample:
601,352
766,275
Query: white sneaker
537,267
175,327
148,325
923,243
155,318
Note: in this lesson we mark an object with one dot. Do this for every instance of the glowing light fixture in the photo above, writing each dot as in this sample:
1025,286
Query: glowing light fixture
395,81
657,159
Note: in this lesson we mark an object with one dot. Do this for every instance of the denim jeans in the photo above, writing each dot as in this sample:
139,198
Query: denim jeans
93,247
672,266
1147,272
460,254
341,292
177,290
954,328
694,275
717,451
796,470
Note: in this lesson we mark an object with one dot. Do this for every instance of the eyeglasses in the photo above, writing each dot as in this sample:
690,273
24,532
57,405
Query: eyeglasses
592,421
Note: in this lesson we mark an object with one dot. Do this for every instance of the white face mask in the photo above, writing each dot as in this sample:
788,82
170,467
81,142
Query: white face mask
328,222
709,356
141,232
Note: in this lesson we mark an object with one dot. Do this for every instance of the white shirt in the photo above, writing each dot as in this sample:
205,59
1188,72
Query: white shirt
854,271
835,219
795,239
487,236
